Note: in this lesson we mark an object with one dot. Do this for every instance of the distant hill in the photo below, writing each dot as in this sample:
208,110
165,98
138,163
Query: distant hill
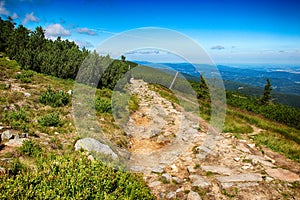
249,81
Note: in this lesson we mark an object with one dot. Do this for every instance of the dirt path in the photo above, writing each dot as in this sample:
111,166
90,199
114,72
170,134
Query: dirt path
166,146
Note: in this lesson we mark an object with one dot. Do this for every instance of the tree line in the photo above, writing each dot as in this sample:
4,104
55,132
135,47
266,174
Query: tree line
60,58
32,50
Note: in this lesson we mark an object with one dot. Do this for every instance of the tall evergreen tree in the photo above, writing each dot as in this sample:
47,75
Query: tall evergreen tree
203,89
266,98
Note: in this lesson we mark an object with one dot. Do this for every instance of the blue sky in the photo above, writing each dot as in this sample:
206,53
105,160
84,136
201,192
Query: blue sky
229,31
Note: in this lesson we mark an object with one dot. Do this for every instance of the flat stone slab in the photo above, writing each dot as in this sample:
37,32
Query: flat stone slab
243,148
158,169
198,181
15,142
247,177
239,185
217,169
257,159
283,175
154,184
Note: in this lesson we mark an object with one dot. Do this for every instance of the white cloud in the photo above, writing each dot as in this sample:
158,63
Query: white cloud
85,44
30,18
15,16
3,10
147,52
86,31
55,30
217,47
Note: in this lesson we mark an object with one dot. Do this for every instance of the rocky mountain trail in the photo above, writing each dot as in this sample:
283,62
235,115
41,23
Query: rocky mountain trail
167,146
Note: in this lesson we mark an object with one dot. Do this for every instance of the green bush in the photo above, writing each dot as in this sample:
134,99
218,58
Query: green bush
103,105
30,148
17,119
16,167
25,76
51,119
53,98
9,63
277,112
133,103
73,177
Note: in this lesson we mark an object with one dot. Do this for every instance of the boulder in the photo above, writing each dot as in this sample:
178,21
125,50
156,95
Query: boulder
166,177
91,144
27,95
6,135
70,92
17,142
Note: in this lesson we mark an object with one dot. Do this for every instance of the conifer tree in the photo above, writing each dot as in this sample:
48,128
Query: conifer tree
266,98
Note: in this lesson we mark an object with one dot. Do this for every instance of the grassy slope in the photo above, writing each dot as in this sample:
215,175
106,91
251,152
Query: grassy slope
47,166
59,140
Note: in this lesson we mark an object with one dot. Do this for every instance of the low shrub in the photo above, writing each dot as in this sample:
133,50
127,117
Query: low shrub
133,103
17,119
73,177
30,148
54,98
103,105
51,119
25,76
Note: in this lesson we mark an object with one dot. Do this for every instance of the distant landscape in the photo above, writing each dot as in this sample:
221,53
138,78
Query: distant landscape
250,79
98,100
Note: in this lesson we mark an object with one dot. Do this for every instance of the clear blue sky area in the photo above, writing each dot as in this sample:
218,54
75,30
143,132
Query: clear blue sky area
230,31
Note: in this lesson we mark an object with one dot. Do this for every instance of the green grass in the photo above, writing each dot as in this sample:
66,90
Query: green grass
164,92
279,144
276,136
236,125
18,119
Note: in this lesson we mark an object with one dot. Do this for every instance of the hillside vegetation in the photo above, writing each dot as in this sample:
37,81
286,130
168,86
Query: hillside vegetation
35,75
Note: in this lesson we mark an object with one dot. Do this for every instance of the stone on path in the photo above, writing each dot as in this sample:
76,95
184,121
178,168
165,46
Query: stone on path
217,169
154,184
283,175
171,195
191,169
198,181
158,169
167,177
247,177
257,159
193,196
